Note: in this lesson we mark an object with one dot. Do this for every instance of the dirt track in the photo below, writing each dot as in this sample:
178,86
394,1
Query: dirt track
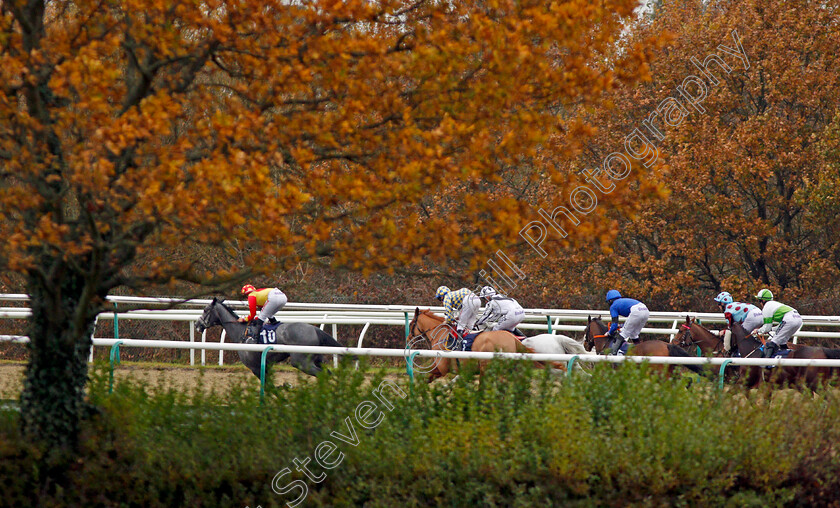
184,378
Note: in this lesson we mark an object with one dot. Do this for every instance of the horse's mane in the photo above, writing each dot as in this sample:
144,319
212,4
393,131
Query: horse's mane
227,307
431,314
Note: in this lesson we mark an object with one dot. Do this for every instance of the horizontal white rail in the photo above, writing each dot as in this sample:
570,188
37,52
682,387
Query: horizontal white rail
405,353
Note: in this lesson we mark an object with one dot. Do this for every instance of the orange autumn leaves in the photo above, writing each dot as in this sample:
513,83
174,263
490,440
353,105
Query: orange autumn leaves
323,128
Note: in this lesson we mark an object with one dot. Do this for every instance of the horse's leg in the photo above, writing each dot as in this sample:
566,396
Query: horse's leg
304,362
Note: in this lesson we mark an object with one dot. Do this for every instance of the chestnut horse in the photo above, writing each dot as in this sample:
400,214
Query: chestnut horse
430,326
595,337
747,346
694,337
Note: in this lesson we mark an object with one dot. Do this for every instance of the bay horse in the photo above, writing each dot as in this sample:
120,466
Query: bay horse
293,334
431,326
694,337
748,347
595,338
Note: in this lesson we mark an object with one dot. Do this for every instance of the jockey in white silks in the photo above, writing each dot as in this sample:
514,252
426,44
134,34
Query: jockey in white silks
782,319
502,311
460,308
748,315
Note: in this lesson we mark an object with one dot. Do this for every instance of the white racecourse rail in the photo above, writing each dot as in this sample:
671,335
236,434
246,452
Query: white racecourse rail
546,320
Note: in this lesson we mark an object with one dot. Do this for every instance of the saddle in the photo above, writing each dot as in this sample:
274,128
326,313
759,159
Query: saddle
268,333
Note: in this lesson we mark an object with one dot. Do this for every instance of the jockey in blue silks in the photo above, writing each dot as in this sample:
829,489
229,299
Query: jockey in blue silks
637,315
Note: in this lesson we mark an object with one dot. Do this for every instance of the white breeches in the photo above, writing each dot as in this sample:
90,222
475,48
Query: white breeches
791,323
469,312
637,319
276,300
510,320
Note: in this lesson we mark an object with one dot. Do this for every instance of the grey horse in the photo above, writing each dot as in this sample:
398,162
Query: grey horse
293,334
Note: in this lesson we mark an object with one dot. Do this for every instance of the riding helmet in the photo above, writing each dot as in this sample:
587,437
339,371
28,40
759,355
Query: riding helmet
441,292
247,288
612,294
723,298
765,294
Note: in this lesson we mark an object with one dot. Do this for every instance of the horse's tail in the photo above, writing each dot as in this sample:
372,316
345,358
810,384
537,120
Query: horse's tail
674,350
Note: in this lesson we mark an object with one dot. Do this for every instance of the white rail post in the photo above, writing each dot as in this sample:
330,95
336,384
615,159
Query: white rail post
361,338
674,326
192,339
335,336
221,351
203,341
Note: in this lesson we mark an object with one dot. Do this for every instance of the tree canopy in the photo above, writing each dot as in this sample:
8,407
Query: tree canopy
135,134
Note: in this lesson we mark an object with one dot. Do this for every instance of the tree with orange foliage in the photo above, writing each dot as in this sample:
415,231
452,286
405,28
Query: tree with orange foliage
308,129
752,179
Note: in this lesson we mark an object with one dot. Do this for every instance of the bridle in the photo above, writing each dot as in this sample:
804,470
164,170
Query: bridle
203,323
412,332
589,337
687,340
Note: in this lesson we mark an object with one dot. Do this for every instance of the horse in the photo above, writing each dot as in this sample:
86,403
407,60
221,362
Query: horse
693,337
293,334
595,338
431,327
554,344
748,347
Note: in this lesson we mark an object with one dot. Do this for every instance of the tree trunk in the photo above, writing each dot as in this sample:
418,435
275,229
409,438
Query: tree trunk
53,400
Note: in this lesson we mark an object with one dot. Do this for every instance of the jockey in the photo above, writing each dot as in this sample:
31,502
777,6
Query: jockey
504,312
268,301
785,321
460,308
747,314
637,315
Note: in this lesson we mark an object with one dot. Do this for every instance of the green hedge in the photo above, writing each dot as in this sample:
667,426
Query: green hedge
520,438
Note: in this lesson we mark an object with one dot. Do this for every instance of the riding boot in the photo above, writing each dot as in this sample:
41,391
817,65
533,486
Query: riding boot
770,349
253,331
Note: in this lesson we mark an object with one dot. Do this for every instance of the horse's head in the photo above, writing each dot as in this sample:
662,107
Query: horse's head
429,327
210,316
595,334
683,338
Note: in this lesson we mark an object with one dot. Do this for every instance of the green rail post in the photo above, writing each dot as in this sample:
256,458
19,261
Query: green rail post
409,368
570,365
548,318
115,355
407,331
116,323
262,371
722,369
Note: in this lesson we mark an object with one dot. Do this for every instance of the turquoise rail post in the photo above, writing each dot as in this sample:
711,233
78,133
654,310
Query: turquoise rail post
409,369
115,355
722,370
570,365
116,323
548,318
262,371
407,331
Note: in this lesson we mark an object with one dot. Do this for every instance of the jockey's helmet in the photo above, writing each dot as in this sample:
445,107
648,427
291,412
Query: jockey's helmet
612,294
765,294
247,289
487,292
723,298
441,292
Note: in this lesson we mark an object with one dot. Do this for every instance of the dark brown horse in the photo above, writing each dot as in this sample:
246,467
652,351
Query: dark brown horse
695,338
431,327
748,347
595,338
